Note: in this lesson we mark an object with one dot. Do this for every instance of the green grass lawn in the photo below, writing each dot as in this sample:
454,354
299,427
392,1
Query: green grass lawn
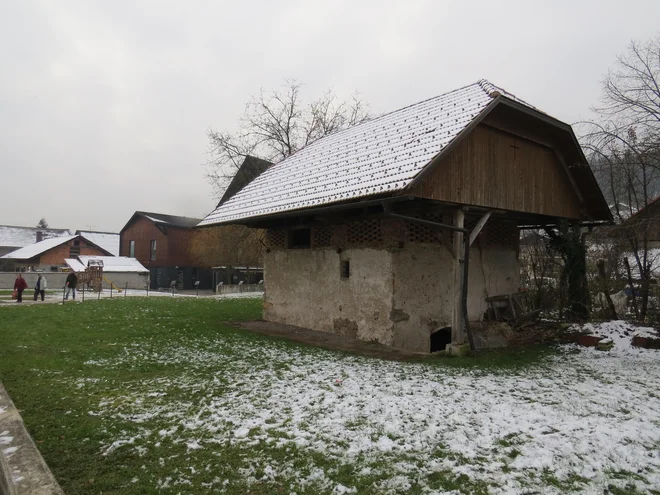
159,395
42,354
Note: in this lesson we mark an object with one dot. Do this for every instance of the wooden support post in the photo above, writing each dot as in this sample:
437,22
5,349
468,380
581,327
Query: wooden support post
458,321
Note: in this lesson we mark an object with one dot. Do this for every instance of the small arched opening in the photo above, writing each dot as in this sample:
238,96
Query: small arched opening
440,339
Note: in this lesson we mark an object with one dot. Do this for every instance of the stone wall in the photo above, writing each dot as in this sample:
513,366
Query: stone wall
397,297
401,284
423,292
56,280
304,287
238,288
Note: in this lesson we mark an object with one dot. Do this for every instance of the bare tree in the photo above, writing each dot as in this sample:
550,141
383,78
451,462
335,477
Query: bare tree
275,125
624,144
228,245
540,270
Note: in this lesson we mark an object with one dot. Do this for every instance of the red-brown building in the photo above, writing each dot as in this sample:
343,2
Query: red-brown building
161,243
51,253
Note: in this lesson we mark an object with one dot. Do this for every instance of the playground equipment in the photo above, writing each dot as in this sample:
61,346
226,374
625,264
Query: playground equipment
93,275
108,281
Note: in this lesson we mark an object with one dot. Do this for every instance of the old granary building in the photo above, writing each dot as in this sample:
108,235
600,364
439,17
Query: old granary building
367,228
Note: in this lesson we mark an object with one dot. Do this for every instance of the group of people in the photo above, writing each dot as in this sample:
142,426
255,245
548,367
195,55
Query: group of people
40,286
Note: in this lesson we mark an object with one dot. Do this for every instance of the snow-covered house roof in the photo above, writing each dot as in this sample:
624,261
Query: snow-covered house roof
107,240
18,237
111,264
380,156
251,168
38,248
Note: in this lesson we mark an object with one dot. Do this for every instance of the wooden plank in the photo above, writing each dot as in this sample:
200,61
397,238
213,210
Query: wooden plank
477,228
498,170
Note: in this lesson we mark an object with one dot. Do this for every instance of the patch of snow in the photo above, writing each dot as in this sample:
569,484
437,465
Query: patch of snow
620,333
588,414
241,432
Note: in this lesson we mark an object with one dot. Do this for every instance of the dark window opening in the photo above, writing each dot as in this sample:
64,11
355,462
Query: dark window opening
153,250
345,269
300,239
74,251
440,339
76,243
131,249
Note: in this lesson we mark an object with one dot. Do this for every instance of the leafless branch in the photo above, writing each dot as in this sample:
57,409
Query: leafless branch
275,125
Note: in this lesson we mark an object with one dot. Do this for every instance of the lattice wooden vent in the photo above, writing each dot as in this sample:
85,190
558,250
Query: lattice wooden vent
322,236
501,232
365,232
417,232
276,238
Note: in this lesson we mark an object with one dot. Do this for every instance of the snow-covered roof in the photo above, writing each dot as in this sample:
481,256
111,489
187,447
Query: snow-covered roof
380,156
18,237
74,264
38,248
106,240
114,264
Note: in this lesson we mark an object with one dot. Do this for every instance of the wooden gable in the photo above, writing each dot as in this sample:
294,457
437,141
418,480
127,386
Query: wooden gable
501,170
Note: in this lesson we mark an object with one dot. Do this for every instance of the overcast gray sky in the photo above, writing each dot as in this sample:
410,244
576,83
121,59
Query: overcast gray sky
104,105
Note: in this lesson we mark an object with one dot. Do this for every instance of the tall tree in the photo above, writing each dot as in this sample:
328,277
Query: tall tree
227,245
624,144
43,224
275,125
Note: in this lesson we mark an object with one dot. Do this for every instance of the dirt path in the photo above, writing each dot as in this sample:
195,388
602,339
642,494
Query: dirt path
327,340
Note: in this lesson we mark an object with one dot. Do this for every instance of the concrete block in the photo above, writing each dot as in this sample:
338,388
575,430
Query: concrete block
458,350
22,469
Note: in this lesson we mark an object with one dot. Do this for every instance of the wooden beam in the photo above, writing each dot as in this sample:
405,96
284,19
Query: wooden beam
480,225
458,320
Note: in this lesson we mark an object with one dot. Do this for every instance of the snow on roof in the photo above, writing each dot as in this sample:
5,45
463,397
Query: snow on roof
173,220
106,240
380,156
18,237
38,248
115,264
74,264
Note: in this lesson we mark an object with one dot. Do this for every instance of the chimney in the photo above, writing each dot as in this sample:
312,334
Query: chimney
40,236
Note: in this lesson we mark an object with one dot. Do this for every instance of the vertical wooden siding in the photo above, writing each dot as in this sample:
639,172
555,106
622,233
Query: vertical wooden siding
496,169
171,249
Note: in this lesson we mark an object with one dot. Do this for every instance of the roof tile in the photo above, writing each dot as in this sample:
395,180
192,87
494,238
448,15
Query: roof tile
382,155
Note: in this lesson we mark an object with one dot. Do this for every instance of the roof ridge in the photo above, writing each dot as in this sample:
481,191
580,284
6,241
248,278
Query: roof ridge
494,91
381,116
163,214
32,228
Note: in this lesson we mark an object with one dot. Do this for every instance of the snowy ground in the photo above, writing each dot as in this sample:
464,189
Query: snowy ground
585,421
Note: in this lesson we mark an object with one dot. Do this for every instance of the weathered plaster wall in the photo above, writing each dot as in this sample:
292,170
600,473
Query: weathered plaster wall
424,292
397,297
304,288
493,270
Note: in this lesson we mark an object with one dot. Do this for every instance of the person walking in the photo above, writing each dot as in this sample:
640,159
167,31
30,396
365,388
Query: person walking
40,287
71,282
19,286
